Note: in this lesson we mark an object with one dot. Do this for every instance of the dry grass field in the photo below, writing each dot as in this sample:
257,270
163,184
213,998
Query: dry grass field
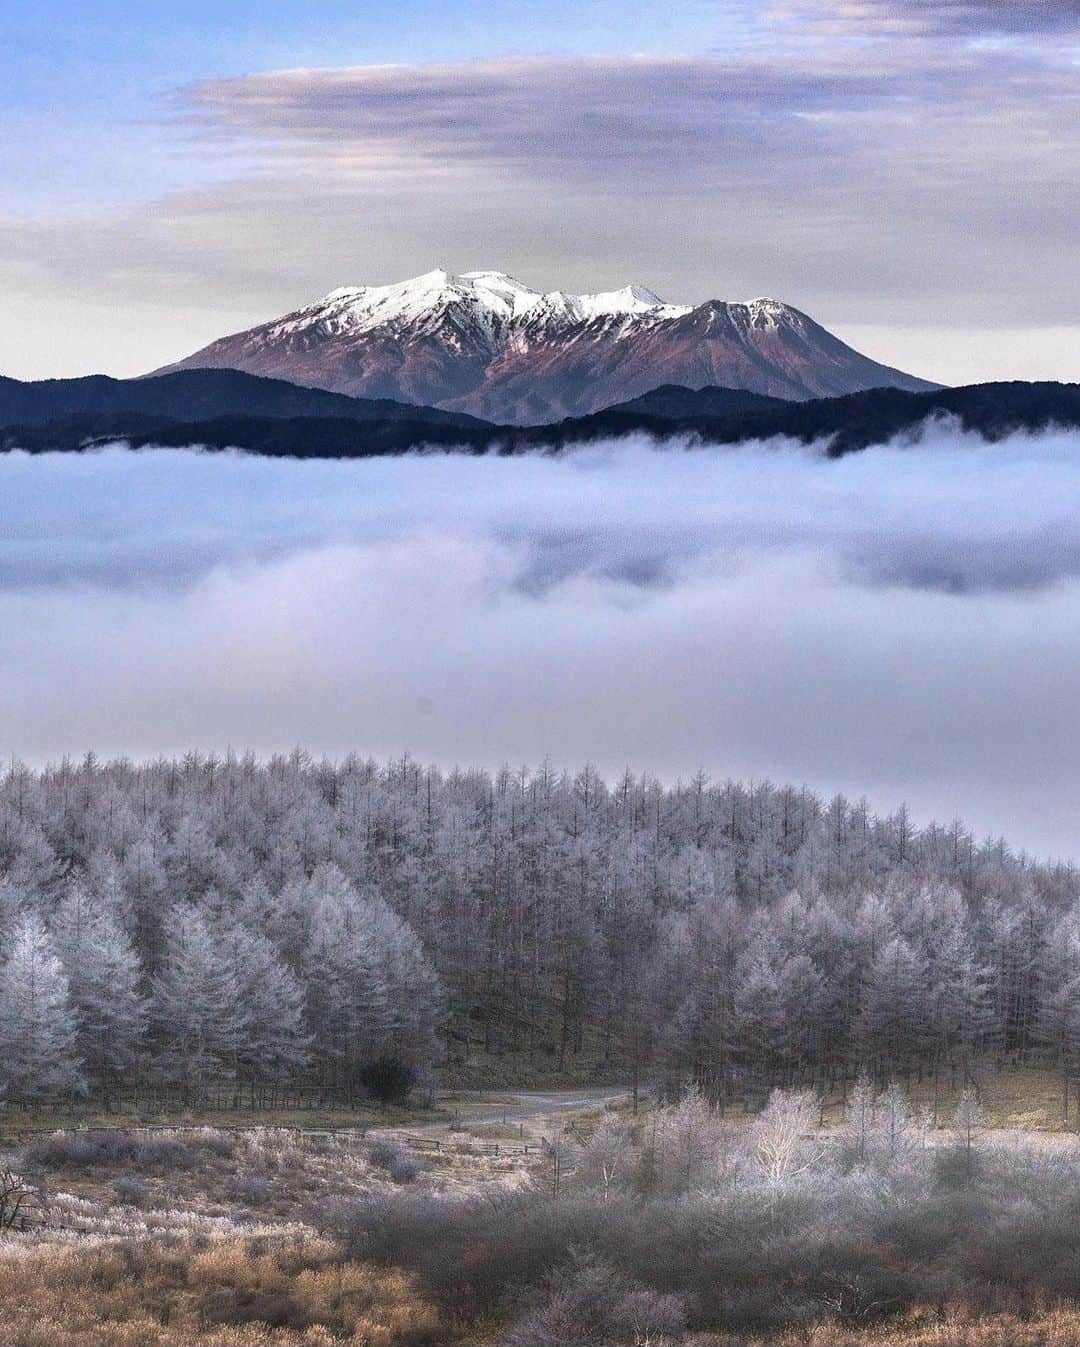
1059,1327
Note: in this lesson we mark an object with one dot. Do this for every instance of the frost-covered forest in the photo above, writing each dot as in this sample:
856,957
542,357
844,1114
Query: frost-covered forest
227,923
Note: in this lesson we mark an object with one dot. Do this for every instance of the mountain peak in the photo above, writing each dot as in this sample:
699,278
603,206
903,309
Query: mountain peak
484,343
496,294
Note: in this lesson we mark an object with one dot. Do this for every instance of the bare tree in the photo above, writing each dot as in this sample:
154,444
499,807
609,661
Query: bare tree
15,1197
784,1135
968,1121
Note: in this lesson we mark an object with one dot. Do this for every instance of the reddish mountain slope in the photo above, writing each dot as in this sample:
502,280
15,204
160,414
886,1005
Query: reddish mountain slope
483,343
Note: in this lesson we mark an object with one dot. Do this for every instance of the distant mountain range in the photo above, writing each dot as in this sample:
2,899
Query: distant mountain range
484,344
226,409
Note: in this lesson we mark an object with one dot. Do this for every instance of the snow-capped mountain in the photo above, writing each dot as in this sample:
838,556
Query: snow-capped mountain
483,343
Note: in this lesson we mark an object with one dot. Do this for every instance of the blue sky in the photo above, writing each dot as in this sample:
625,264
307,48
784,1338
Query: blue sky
907,171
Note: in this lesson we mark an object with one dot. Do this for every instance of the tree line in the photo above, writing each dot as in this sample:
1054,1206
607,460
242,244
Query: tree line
353,925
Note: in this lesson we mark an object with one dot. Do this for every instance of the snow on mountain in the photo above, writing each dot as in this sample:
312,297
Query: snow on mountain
484,343
497,301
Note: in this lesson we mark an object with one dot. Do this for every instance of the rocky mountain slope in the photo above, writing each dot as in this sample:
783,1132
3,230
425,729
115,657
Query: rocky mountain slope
484,344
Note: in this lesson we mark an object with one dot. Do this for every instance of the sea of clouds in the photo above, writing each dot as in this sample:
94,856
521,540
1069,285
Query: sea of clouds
902,623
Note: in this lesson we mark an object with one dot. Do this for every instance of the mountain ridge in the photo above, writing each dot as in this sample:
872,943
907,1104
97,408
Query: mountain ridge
484,344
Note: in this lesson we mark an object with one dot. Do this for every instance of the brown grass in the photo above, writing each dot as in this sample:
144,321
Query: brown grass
1026,1098
1058,1326
228,1293
20,1125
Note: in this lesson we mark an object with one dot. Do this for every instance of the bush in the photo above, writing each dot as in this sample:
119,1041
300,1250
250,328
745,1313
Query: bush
513,1240
399,1162
164,1154
250,1189
81,1150
148,1153
389,1079
130,1191
589,1302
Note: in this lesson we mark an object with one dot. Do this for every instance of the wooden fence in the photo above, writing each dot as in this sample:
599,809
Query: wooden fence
473,1145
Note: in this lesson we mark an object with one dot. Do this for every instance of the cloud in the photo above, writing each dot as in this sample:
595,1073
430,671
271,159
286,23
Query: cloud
967,18
904,622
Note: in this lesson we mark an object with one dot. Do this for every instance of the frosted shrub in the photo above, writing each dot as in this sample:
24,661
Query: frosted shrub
131,1191
148,1152
607,1162
691,1146
397,1160
879,1130
589,1302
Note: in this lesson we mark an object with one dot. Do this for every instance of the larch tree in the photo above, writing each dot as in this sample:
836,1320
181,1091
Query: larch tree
104,979
38,1030
892,1018
274,1044
196,1011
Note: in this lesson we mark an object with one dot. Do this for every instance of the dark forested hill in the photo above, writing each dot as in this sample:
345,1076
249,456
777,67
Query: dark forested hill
842,424
992,410
198,395
673,401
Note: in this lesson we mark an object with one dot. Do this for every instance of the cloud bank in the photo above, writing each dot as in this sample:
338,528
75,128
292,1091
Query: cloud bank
903,622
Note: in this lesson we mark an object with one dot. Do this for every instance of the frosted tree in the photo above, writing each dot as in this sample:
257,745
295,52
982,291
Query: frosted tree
759,1011
689,1144
604,1162
13,904
783,1136
105,879
274,1042
143,879
969,1121
959,1004
37,1026
892,1021
103,975
415,1000
896,1127
347,987
741,936
860,1120
196,1011
1059,1000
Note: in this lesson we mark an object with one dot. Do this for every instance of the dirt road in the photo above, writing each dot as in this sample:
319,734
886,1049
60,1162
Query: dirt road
473,1109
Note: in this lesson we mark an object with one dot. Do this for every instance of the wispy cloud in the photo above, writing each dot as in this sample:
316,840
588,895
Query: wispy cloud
964,18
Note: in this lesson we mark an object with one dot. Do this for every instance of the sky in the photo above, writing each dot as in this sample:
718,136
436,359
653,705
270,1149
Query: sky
906,171
901,624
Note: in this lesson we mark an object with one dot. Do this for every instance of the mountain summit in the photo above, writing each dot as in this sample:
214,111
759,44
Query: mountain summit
482,342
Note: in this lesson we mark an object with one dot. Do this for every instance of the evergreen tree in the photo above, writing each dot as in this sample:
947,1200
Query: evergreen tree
196,1011
38,1051
103,975
275,1042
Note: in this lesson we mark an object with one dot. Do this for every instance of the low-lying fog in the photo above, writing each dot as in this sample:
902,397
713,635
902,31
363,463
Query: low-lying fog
903,623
